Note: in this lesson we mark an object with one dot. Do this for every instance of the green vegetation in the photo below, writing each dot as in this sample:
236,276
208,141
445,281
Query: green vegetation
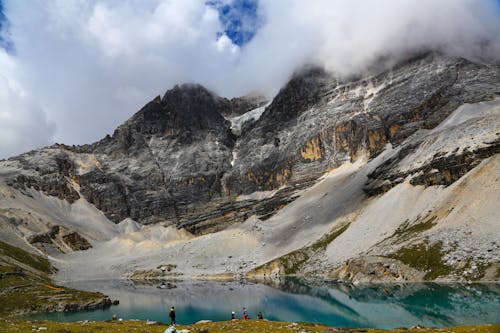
25,285
324,241
295,260
23,295
481,271
241,326
429,258
476,274
424,257
405,231
37,262
291,263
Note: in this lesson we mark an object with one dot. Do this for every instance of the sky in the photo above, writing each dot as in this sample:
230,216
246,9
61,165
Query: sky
71,71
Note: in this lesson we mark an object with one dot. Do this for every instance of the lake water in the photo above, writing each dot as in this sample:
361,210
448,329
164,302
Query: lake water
383,306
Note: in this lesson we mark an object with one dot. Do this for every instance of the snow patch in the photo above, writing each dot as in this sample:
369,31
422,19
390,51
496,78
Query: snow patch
252,115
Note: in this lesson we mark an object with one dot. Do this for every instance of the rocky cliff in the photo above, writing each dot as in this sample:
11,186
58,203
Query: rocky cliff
179,160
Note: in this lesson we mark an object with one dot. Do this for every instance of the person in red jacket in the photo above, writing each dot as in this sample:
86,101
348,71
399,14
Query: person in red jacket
245,313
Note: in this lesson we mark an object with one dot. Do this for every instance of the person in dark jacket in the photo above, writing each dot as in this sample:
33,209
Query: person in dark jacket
260,316
172,316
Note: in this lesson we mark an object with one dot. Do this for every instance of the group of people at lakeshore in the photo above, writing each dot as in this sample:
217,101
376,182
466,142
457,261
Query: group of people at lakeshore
245,315
172,315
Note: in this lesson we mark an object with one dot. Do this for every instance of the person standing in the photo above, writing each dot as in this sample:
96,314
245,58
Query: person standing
245,313
172,316
233,315
260,316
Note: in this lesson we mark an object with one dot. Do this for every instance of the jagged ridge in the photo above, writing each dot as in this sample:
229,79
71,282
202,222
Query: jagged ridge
177,160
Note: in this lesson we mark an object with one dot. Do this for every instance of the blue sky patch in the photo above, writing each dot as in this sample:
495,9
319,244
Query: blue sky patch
239,18
4,42
2,21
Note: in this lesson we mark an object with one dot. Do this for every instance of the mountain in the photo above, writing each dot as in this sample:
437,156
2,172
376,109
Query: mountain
392,176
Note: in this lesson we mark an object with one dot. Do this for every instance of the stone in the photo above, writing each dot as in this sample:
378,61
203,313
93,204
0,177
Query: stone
171,329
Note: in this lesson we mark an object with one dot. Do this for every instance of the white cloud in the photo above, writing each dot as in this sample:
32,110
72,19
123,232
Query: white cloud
23,125
224,43
89,65
348,36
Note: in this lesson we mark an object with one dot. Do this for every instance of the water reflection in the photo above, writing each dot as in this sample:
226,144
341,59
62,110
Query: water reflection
380,306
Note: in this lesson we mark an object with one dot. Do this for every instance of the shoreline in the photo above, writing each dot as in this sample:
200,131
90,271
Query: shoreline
236,278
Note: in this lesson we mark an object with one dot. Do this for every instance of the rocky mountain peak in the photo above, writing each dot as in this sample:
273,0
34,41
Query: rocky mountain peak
177,160
192,100
302,90
185,107
186,112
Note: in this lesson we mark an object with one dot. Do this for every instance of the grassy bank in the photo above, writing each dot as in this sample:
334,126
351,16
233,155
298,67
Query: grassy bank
240,326
26,286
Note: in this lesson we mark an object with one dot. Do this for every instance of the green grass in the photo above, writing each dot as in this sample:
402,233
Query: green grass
37,262
424,257
25,293
404,230
293,262
429,259
324,241
240,326
296,259
29,289
478,273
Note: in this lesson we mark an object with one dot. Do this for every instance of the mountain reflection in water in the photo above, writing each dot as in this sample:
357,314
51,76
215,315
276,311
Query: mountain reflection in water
372,305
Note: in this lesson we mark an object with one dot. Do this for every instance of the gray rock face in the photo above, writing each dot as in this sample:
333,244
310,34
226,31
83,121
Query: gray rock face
171,153
177,159
46,170
60,238
442,169
336,122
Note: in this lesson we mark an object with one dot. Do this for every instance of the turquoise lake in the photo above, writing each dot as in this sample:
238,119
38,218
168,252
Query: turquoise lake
337,304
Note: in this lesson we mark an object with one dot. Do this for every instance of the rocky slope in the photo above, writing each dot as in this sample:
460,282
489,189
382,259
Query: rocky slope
332,177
